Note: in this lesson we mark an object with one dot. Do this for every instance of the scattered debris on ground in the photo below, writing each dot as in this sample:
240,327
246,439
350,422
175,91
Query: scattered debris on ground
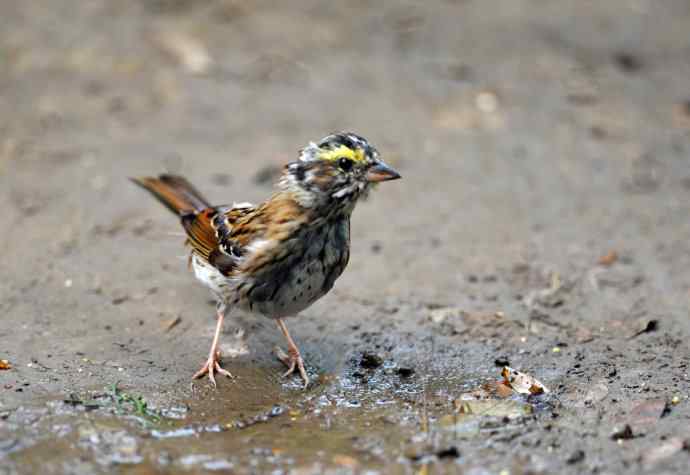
522,383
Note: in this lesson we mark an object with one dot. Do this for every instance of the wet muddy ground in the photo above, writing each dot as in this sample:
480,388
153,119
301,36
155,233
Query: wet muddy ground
542,223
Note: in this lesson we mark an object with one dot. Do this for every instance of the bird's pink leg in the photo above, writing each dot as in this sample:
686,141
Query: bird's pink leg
213,362
293,360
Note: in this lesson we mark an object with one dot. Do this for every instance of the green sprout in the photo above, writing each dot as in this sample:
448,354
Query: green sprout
137,405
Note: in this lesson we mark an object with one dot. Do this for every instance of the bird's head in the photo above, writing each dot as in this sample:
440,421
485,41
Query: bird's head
335,172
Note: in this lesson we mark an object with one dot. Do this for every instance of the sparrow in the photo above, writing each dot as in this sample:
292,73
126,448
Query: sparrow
276,258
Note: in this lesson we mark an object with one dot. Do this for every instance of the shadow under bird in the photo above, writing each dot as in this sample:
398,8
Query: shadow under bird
277,258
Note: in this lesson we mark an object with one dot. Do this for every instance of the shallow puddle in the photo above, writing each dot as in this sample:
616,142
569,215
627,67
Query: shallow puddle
366,418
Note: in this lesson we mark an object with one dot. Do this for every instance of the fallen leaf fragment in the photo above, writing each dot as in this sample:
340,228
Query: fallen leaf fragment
172,323
345,461
4,364
500,389
503,390
608,259
488,390
522,383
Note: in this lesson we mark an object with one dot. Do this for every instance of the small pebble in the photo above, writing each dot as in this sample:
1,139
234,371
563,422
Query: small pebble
404,372
628,62
502,361
370,360
486,101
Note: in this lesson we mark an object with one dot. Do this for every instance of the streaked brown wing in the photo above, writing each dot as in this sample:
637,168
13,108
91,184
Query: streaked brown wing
209,234
201,235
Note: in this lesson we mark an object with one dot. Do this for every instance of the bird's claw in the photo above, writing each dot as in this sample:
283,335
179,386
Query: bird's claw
293,360
212,364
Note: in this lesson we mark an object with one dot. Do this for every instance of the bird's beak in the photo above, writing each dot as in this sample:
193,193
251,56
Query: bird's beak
381,172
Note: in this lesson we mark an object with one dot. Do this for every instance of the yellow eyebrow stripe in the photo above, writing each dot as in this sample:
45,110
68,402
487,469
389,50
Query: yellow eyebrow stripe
343,151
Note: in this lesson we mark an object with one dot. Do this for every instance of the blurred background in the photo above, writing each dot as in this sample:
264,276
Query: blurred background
531,134
504,117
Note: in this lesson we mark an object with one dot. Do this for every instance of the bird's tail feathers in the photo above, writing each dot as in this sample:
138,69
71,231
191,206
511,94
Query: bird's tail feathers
175,192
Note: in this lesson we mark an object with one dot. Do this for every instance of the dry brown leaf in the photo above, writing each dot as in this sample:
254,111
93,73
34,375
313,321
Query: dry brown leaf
172,323
503,390
4,364
608,259
522,383
498,389
489,390
345,461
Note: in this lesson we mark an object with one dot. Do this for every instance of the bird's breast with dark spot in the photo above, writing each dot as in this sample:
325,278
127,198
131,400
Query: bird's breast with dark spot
307,275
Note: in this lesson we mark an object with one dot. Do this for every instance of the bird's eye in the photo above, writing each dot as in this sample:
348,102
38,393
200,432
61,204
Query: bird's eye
345,164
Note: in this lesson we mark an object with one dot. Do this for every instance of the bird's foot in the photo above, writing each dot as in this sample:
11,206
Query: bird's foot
293,360
211,365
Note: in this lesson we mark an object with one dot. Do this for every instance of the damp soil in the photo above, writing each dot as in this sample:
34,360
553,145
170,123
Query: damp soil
541,223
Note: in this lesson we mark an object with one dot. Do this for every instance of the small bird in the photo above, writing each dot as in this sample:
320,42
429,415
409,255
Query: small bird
279,257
